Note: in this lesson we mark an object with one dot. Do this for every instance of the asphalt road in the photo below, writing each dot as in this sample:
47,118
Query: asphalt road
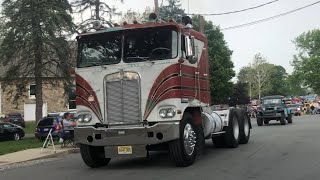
290,152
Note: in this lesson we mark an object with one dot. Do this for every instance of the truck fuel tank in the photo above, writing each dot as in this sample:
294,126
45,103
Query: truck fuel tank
212,123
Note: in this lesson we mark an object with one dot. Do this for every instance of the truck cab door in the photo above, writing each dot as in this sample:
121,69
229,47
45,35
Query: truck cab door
188,74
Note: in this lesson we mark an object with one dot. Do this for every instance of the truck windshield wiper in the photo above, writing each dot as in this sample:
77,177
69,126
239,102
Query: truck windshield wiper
138,57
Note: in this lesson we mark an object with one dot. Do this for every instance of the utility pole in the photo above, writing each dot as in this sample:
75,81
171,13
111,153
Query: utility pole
156,8
97,4
201,19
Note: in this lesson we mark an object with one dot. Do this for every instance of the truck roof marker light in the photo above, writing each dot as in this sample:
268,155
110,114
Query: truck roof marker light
153,17
187,21
90,98
135,21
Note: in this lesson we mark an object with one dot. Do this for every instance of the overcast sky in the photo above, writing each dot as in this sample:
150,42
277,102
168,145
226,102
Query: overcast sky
273,39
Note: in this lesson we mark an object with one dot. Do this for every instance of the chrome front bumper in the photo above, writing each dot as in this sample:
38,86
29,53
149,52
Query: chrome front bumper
117,136
137,138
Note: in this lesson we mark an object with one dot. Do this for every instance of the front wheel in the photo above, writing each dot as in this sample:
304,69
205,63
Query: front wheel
16,137
259,121
184,150
93,156
283,120
290,118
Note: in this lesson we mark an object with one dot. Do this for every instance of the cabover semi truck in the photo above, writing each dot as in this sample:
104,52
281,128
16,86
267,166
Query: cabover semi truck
144,85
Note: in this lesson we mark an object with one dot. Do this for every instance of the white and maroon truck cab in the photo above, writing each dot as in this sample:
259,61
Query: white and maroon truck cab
140,85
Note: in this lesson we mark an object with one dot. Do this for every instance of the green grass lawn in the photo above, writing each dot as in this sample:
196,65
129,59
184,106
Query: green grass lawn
30,127
14,146
23,144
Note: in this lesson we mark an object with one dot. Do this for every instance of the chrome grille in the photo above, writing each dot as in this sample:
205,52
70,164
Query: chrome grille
123,98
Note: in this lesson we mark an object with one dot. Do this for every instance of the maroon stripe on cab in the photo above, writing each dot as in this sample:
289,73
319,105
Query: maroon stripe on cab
84,90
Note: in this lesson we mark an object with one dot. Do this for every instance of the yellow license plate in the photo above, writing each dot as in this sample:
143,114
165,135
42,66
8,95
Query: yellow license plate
124,149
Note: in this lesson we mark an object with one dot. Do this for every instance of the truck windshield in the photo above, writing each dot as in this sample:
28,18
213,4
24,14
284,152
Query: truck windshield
150,44
272,101
132,45
100,49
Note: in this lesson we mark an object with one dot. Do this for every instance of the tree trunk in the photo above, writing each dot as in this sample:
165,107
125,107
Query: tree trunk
38,82
37,51
259,90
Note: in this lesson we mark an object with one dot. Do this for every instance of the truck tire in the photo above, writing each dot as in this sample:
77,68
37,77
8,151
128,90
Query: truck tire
259,121
218,141
93,156
290,118
184,150
231,137
245,127
265,121
283,120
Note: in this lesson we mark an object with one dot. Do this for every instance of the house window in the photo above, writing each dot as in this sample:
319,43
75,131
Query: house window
72,98
32,91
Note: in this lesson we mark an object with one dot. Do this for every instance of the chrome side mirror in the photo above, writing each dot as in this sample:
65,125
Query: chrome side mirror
190,49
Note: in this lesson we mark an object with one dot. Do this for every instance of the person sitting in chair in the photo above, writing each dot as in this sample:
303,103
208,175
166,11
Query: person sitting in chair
67,127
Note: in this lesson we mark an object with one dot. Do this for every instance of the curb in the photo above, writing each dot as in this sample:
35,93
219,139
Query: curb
62,153
57,154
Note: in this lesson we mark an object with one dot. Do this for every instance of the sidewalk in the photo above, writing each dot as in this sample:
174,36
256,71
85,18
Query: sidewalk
35,154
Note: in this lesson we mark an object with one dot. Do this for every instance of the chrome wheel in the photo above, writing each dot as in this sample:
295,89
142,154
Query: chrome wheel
189,139
236,128
246,126
16,137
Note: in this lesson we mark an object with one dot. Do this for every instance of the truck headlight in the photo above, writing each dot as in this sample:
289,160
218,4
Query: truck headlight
87,118
167,113
171,112
163,113
298,109
263,109
84,118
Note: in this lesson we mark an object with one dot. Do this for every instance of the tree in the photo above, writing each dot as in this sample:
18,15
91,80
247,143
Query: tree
173,9
99,10
131,16
277,84
260,72
307,62
34,44
221,66
240,95
294,85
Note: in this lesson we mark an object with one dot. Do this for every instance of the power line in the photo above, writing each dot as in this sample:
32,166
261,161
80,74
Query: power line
269,18
233,12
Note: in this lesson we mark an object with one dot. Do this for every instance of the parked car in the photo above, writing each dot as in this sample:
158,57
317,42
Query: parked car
44,125
15,118
9,131
295,109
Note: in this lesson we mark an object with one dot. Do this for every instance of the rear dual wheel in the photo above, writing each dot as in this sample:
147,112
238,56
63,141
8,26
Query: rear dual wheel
238,130
245,127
